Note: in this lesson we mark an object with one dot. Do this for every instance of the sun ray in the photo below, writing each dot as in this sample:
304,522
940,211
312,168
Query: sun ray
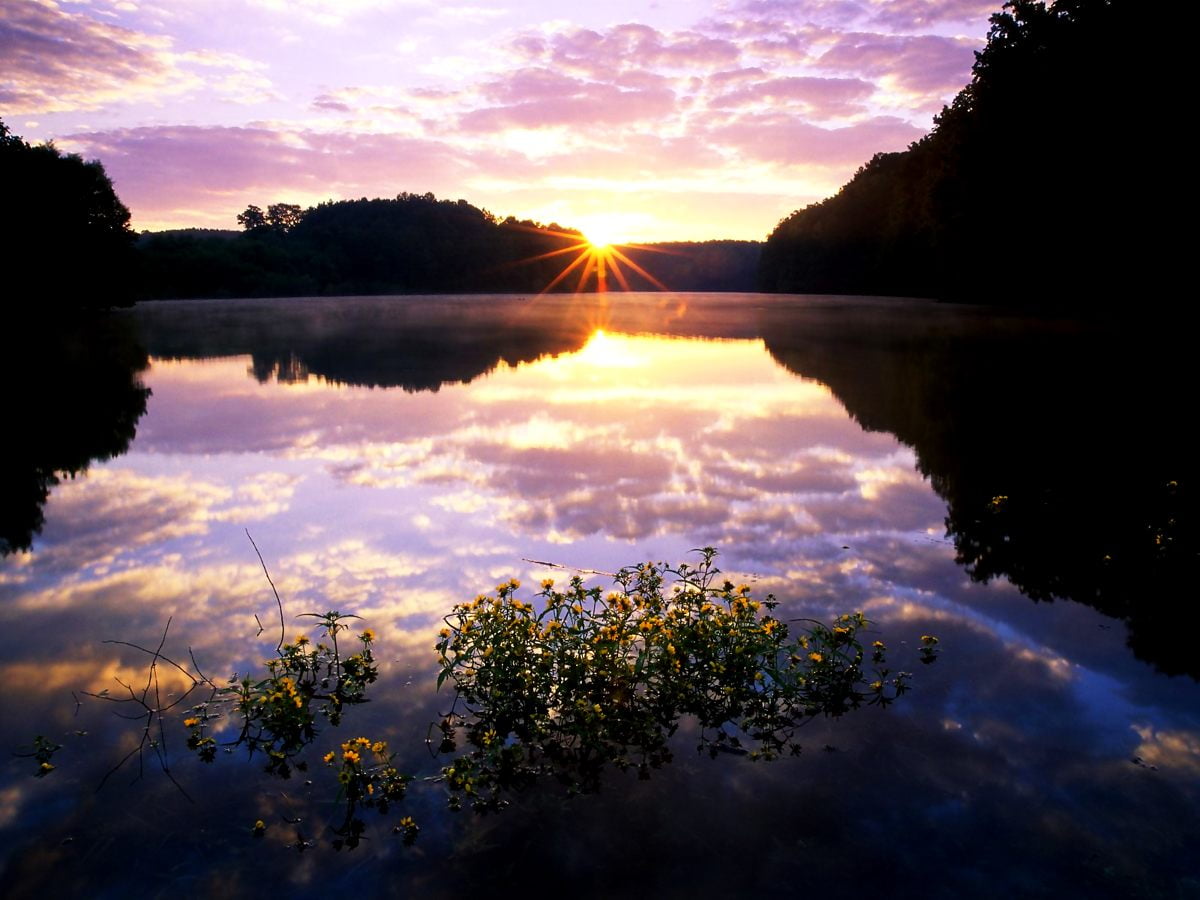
564,273
629,262
595,262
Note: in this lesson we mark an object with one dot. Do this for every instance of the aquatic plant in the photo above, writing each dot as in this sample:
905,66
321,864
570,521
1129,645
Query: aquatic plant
580,680
568,684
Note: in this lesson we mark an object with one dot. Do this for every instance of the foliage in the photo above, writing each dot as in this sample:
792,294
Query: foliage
42,752
1026,192
278,712
368,780
63,228
585,680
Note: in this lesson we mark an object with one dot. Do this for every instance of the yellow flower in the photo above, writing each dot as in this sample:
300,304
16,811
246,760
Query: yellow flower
368,635
815,656
302,640
547,583
328,757
191,723
379,747
350,756
878,645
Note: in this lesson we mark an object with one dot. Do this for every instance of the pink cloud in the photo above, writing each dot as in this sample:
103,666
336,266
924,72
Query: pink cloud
736,76
538,97
158,170
913,14
603,55
58,61
55,61
778,12
819,97
920,63
771,137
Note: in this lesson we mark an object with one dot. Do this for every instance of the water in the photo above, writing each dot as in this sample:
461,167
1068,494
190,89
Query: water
1020,489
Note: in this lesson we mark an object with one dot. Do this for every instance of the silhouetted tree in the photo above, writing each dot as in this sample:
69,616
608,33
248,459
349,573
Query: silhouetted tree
65,234
252,218
1030,190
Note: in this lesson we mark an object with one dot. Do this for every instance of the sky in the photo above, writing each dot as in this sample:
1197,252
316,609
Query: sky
630,120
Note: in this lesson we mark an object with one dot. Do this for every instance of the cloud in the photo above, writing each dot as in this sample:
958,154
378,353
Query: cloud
93,521
818,97
927,65
175,170
773,137
57,61
550,119
909,15
596,54
541,97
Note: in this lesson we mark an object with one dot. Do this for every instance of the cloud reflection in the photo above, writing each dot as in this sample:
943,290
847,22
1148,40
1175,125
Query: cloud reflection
394,505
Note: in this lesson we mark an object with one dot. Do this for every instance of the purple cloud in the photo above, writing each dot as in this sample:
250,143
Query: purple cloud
54,60
539,97
906,15
819,97
926,64
160,169
604,55
771,137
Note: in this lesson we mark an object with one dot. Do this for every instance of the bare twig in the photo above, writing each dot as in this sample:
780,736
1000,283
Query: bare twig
278,602
542,562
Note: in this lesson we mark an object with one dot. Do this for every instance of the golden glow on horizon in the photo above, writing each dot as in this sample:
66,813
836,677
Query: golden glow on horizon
595,262
601,239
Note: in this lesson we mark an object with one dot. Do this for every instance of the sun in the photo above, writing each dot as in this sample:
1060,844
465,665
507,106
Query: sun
598,256
601,238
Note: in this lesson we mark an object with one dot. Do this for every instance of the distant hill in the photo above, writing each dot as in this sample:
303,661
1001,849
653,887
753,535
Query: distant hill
416,243
1039,185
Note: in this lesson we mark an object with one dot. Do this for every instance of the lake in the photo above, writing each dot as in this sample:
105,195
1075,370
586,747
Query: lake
1021,489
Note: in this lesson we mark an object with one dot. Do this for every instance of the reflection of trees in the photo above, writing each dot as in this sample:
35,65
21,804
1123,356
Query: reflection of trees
75,398
406,342
1064,472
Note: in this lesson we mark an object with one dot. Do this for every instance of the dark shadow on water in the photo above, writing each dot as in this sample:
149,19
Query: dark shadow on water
1059,448
75,397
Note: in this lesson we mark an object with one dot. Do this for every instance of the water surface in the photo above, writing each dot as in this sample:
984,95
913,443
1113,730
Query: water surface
1020,489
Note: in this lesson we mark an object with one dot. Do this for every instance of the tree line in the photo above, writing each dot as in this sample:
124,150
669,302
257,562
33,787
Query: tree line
1035,187
413,243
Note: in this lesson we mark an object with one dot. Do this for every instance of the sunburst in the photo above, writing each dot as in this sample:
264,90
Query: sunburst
594,262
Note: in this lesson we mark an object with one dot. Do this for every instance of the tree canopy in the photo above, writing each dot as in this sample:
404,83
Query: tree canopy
65,232
1032,188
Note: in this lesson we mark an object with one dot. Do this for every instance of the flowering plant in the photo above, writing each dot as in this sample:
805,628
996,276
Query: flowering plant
581,679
